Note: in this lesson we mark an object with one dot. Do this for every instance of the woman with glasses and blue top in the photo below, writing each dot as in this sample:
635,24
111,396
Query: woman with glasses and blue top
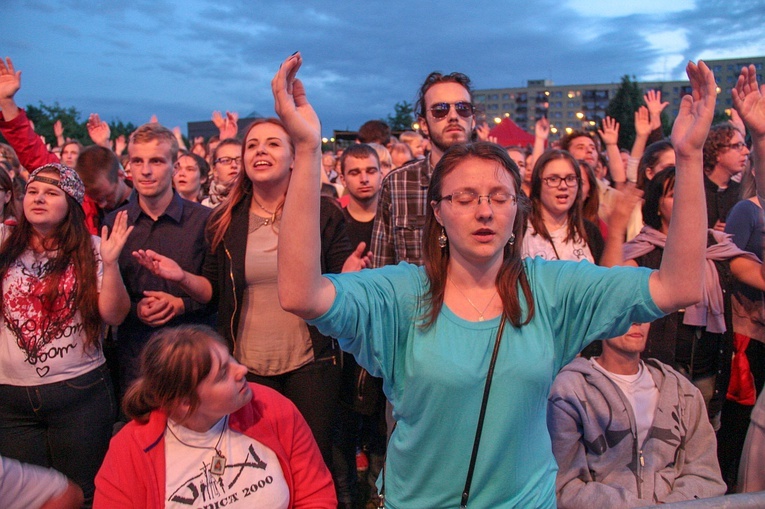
557,229
429,332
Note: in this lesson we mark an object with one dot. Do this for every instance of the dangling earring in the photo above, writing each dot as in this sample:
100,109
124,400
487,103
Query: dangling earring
442,239
511,240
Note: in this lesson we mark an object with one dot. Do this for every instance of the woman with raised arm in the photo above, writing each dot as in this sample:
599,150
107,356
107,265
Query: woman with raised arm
278,348
201,436
749,102
697,341
429,331
60,285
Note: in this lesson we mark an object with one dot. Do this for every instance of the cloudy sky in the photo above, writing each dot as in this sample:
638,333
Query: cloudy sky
182,60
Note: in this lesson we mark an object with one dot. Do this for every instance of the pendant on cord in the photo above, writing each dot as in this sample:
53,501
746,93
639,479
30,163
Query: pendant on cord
218,465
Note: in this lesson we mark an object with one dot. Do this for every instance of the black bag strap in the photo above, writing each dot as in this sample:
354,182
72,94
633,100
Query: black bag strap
477,441
481,414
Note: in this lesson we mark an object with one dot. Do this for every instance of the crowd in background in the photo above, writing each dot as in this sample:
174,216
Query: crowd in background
116,253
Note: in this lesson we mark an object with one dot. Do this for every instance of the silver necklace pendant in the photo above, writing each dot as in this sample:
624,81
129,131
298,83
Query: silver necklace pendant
481,318
218,465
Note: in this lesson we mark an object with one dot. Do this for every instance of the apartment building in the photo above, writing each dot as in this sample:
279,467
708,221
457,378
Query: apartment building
582,106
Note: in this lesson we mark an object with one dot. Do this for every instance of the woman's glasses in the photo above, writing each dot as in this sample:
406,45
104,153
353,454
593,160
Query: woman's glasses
470,200
554,181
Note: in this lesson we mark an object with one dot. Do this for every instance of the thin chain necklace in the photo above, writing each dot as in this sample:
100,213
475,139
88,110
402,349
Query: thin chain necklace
480,313
272,212
218,465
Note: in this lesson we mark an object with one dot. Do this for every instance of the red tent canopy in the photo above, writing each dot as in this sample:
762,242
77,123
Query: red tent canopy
508,133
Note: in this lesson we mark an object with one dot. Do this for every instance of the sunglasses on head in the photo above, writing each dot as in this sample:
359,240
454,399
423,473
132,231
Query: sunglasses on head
463,108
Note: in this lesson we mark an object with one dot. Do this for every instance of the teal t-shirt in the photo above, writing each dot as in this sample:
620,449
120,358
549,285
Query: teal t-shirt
434,377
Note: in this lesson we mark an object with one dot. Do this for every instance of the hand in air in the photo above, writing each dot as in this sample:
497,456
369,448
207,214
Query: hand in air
696,111
749,100
292,106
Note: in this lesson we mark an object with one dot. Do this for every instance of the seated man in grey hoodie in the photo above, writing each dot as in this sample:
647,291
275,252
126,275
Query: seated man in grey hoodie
628,433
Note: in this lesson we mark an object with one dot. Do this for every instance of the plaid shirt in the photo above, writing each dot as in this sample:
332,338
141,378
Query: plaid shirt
400,219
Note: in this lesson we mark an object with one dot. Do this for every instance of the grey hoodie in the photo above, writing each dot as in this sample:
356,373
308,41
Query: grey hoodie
594,439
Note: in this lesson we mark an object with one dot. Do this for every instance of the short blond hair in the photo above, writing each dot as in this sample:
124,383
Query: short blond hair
155,132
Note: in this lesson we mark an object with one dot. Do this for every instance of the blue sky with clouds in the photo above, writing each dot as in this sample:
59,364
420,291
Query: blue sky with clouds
182,60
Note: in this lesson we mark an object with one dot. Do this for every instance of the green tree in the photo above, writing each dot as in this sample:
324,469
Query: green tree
625,103
120,128
403,117
44,116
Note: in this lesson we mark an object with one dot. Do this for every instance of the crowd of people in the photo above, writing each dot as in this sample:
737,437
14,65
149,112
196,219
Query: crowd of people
249,321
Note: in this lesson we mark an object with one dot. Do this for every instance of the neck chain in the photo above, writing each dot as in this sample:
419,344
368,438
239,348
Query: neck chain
272,212
259,221
480,313
218,465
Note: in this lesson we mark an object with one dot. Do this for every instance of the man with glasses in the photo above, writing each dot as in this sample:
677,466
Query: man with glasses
446,117
725,155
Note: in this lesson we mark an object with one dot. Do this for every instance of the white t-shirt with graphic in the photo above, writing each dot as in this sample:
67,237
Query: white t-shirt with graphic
41,343
252,476
536,245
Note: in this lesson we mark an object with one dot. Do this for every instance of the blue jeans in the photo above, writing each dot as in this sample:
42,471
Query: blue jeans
63,425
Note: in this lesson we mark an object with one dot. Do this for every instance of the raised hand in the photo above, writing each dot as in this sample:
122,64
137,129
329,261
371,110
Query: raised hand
112,244
98,130
482,132
542,128
218,120
292,106
159,265
230,126
359,259
153,120
642,122
58,129
652,99
696,111
749,100
120,143
627,198
179,137
609,131
10,79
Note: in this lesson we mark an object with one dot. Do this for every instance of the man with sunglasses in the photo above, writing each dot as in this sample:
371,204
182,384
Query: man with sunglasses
446,116
725,155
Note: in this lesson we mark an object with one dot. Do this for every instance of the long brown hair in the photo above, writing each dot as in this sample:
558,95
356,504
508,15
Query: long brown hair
575,220
70,243
173,364
220,219
591,202
511,274
7,210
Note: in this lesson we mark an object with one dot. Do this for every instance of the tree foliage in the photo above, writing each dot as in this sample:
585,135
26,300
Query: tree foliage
45,115
622,107
402,118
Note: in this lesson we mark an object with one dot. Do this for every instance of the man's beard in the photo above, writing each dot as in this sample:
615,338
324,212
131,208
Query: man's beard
442,145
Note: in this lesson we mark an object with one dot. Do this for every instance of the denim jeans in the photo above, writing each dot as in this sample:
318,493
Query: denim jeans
63,425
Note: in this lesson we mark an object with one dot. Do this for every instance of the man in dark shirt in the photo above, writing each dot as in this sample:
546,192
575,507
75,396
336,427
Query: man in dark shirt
361,176
363,402
167,224
725,155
